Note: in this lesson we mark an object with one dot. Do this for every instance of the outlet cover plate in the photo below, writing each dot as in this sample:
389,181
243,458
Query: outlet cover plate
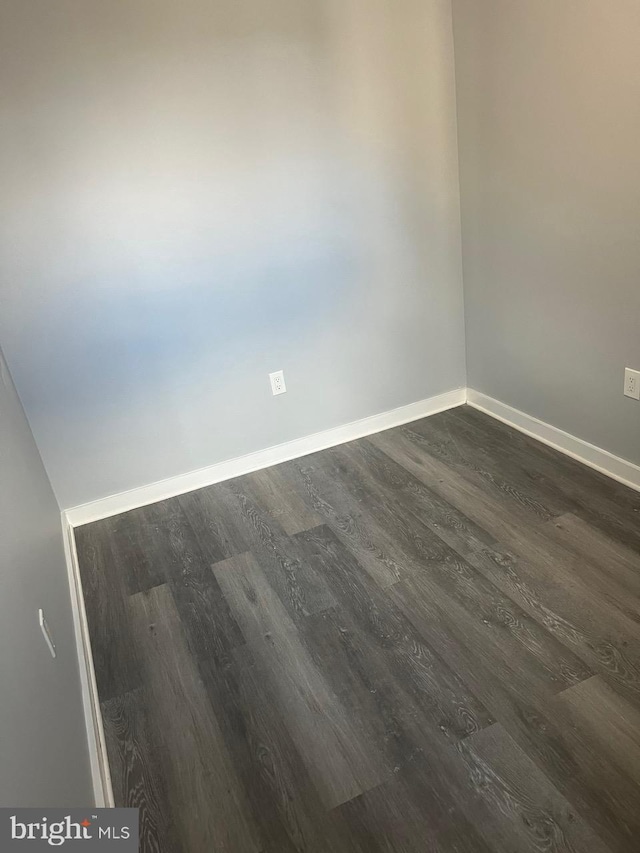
632,383
277,383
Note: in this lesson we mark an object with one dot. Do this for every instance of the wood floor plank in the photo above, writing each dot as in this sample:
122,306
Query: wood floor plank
577,482
131,537
613,570
523,800
452,708
601,637
285,505
428,802
377,552
607,634
585,540
412,813
611,722
504,634
541,461
369,691
300,588
340,763
284,802
451,448
207,801
243,525
602,502
489,508
558,600
173,555
502,623
209,626
389,481
220,533
137,777
450,573
590,782
150,544
415,542
607,639
506,806
104,587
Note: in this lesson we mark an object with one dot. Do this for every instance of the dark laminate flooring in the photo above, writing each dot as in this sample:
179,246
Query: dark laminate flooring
426,640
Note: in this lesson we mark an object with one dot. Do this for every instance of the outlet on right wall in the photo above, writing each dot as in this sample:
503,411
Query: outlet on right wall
549,130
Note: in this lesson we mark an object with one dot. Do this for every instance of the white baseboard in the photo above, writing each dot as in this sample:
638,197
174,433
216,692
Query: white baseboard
100,776
115,504
595,457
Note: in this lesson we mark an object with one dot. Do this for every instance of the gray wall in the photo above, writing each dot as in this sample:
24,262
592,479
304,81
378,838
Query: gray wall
548,104
43,745
197,193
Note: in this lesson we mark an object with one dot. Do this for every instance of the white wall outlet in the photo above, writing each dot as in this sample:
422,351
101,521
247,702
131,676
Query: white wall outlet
46,632
632,383
277,383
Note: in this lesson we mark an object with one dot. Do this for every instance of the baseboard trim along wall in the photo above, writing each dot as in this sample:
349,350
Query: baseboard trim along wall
595,457
115,504
99,764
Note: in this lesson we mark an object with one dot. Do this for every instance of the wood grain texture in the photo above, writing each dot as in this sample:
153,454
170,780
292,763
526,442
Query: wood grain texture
284,802
524,804
269,488
137,775
377,552
453,708
605,504
609,720
528,710
415,812
341,764
105,591
549,573
426,640
243,525
207,801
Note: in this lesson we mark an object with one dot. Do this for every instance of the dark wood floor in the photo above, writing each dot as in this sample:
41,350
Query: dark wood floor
427,640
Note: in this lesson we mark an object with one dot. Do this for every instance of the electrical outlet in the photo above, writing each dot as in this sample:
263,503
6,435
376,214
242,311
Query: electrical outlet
277,383
632,383
46,632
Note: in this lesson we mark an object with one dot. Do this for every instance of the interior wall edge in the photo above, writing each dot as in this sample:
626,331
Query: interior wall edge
459,167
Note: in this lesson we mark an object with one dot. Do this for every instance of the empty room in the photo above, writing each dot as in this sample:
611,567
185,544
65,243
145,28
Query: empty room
320,426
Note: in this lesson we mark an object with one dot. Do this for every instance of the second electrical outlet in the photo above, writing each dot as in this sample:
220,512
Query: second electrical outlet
277,383
632,383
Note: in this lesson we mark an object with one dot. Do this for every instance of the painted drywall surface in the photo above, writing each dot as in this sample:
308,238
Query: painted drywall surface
43,745
196,194
549,123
